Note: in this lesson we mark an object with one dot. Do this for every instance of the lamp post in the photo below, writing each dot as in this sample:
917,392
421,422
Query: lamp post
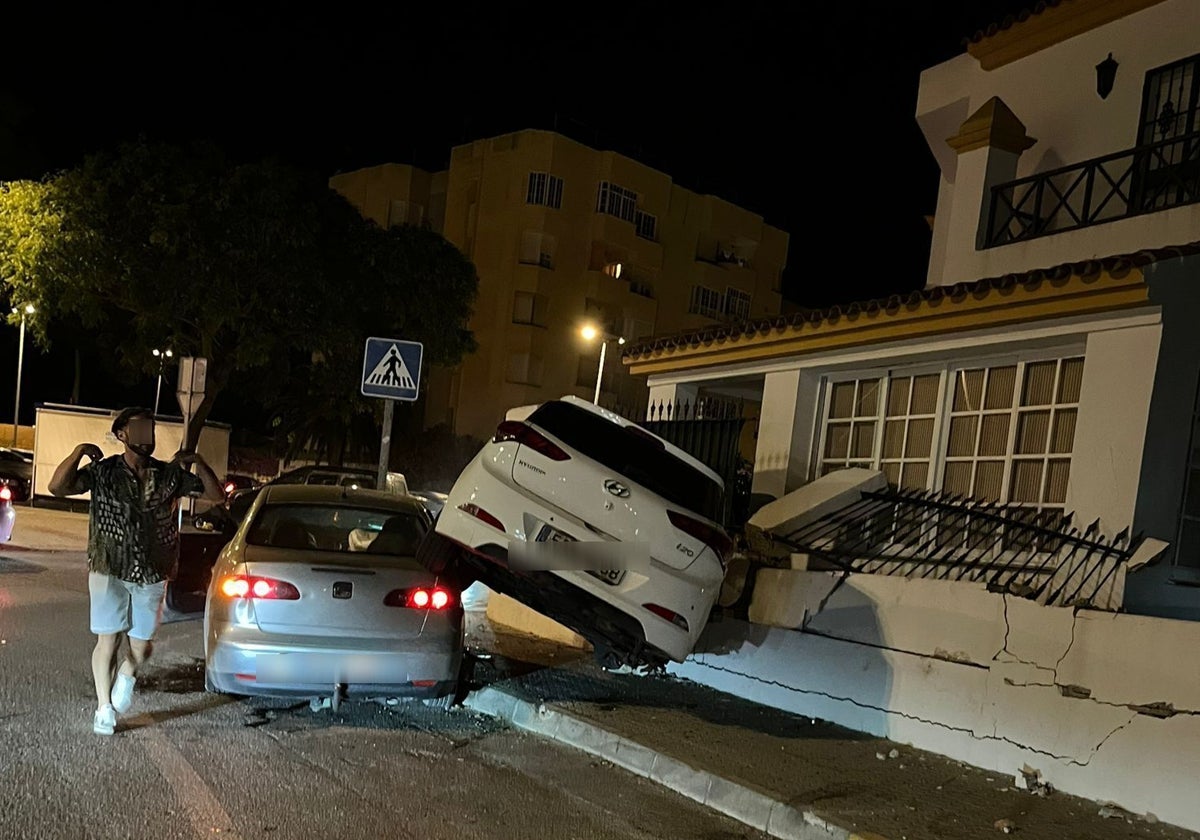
29,309
590,333
162,356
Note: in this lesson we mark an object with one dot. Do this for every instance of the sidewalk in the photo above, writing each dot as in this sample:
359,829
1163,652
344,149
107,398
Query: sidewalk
792,777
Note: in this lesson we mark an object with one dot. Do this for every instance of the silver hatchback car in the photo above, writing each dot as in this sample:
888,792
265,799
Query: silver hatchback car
318,595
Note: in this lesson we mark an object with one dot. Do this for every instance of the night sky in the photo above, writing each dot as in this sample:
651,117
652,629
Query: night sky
774,107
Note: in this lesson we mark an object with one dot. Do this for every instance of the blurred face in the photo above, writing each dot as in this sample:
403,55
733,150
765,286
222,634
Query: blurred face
138,435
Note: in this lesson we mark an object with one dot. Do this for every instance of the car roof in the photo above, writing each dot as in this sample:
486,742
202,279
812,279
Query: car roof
327,494
613,417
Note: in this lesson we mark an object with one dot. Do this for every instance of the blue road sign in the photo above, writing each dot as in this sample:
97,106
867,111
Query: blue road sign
392,369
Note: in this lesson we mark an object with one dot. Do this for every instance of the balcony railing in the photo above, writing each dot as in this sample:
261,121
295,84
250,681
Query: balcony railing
1142,180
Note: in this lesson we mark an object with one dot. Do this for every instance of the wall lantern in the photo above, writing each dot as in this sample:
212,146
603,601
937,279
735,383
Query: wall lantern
1106,74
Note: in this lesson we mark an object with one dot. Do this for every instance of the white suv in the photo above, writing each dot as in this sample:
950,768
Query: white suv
593,521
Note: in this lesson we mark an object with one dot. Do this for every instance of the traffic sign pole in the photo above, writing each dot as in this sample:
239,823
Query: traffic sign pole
385,443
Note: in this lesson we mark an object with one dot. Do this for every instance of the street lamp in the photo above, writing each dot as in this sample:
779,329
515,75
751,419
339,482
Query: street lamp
29,309
162,356
590,333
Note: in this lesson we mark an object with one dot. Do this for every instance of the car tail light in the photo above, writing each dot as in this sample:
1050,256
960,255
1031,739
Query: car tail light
424,683
671,616
421,598
482,515
526,436
229,488
5,494
265,589
714,538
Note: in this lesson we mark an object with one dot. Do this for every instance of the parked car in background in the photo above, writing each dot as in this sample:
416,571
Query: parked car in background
432,499
594,522
355,479
234,482
319,595
16,472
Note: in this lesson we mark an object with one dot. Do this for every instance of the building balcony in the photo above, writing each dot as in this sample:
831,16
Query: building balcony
1145,179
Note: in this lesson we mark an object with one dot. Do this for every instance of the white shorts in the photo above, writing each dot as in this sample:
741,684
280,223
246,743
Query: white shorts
122,607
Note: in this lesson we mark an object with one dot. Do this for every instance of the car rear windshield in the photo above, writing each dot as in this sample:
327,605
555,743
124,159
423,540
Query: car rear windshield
337,528
632,454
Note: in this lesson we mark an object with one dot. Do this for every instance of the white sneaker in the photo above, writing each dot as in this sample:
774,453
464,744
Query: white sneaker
105,721
122,693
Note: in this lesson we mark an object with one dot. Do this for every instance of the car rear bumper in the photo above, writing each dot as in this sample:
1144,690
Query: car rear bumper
689,592
244,660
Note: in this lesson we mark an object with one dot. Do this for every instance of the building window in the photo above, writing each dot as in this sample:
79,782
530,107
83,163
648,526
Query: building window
1187,552
646,225
1002,434
636,329
529,308
737,304
524,369
616,201
544,189
1171,103
706,302
537,248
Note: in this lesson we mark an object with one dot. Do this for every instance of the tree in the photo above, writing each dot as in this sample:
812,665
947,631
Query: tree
249,265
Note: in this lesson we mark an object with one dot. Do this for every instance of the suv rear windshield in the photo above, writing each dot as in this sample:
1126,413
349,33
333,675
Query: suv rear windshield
633,456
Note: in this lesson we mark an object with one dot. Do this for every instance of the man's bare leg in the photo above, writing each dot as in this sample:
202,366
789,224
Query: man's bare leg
136,654
104,661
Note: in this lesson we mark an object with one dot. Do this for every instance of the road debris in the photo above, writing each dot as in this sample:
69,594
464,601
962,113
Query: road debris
1007,826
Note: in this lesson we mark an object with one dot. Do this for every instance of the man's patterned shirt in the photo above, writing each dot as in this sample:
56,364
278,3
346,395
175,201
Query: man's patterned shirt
132,532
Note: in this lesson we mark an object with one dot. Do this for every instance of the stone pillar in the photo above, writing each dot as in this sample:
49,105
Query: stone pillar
785,432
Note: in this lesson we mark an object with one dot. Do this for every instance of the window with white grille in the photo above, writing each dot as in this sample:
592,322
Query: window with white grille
616,201
645,225
1003,433
544,189
737,304
705,301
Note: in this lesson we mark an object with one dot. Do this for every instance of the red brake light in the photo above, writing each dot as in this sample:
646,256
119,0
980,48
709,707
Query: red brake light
526,436
267,589
6,493
670,615
229,488
482,515
421,598
714,538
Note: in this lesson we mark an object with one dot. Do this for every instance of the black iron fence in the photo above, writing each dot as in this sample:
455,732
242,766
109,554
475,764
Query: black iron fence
1145,179
1042,555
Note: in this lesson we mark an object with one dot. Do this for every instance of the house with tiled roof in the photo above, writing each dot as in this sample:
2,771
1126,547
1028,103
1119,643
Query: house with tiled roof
1052,361
979,530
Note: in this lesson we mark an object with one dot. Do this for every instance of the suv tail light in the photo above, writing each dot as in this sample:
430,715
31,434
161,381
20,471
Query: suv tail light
267,589
526,436
670,615
481,514
421,598
714,538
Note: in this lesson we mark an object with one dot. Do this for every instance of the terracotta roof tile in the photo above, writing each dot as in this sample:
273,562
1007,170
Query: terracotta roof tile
891,305
1010,21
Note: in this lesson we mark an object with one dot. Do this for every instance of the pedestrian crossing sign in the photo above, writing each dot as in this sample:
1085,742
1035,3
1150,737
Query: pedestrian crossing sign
392,369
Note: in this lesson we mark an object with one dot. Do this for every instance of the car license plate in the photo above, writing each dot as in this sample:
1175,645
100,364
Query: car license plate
612,577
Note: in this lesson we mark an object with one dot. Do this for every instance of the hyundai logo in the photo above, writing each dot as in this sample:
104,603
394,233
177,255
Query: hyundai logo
617,488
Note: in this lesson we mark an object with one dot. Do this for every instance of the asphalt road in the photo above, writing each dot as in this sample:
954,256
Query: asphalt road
190,765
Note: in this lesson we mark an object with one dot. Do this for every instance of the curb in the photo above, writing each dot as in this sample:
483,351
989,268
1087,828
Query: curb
744,804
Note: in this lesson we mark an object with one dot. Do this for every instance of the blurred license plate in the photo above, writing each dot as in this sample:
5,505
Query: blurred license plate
613,577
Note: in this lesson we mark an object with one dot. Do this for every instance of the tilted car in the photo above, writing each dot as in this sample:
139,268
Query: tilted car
318,595
596,523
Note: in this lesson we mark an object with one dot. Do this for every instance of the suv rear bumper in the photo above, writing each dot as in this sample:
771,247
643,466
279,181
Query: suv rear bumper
569,596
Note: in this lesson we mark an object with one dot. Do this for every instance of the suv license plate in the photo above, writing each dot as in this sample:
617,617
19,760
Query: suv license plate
612,577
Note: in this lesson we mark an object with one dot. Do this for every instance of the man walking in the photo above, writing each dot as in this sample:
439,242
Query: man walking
133,547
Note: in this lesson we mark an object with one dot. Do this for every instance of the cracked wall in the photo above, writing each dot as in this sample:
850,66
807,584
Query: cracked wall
990,679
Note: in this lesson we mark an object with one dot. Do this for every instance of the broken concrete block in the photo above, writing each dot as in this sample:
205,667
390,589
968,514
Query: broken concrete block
784,598
808,504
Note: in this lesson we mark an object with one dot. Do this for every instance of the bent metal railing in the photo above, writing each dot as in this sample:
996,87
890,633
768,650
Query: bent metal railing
1041,556
1146,179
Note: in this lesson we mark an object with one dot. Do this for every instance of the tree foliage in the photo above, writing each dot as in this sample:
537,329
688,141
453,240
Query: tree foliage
258,267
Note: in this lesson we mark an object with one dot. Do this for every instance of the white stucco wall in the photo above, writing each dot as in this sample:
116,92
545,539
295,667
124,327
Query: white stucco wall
1053,93
1114,408
979,676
